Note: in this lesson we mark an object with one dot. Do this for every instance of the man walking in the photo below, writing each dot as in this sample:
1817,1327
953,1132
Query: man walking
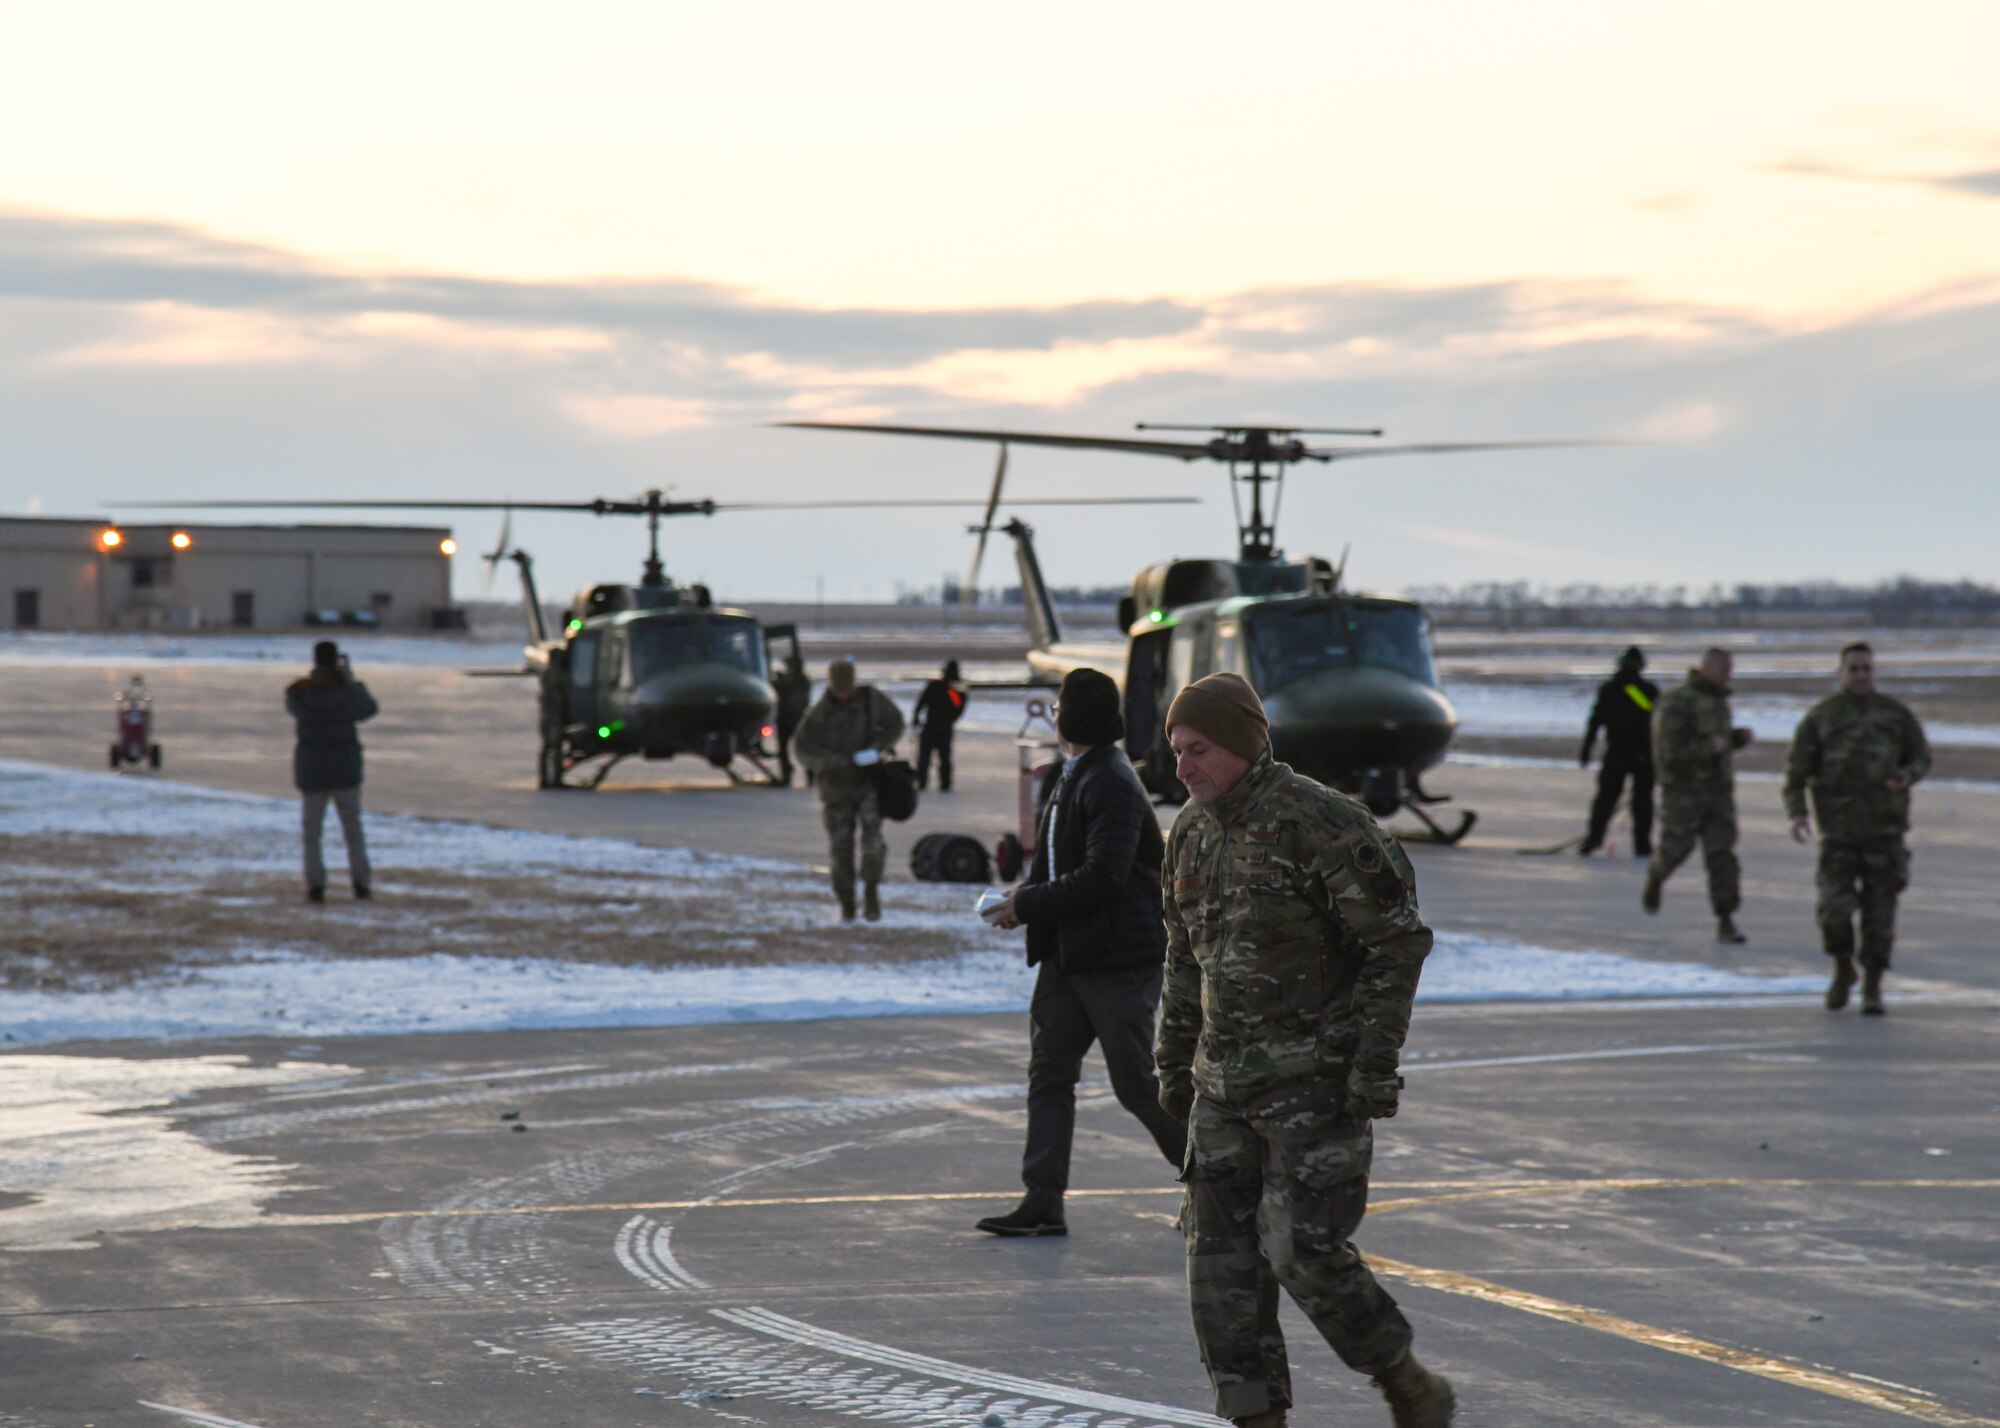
937,710
1859,752
1091,904
1624,711
1294,945
794,690
851,729
1694,748
326,765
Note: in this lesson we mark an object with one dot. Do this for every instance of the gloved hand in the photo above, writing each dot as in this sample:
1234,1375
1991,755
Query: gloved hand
1177,1094
866,757
1371,1095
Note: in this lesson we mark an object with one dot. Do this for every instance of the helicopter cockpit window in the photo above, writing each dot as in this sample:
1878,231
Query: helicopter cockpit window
1288,643
737,642
1397,638
658,645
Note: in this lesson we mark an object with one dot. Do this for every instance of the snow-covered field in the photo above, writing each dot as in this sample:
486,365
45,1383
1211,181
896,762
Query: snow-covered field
144,908
1559,710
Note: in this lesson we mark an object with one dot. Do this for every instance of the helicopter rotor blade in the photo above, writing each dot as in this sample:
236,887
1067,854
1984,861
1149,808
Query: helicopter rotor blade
1180,450
968,593
491,560
1441,448
894,505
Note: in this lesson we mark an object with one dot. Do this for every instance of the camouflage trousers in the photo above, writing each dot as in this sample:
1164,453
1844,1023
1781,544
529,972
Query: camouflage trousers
1273,1192
844,814
1863,878
1706,816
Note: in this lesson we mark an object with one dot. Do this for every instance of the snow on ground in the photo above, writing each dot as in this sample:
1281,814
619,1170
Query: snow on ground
1526,710
365,646
682,937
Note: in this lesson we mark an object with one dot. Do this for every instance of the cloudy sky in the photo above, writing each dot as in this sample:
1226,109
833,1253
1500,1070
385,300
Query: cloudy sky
507,250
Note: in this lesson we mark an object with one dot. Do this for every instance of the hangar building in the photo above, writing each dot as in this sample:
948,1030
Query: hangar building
75,574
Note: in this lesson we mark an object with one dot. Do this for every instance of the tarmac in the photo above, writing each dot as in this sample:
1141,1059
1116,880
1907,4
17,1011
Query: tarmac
1695,1213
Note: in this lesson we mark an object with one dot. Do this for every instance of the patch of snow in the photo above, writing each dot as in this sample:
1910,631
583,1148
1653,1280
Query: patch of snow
72,1140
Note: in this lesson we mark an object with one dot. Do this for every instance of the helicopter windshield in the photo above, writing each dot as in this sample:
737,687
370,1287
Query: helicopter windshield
658,645
1395,637
738,642
655,646
1289,641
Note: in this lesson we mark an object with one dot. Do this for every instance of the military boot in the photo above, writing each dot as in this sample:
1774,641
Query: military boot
846,896
1417,1397
1725,930
1650,898
871,903
1843,981
1871,991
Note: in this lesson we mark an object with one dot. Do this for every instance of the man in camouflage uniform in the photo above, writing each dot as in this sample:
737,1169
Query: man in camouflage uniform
1293,950
1693,751
850,730
1859,752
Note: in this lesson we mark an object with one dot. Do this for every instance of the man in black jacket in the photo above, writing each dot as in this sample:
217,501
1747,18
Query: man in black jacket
1091,905
936,712
326,766
1624,711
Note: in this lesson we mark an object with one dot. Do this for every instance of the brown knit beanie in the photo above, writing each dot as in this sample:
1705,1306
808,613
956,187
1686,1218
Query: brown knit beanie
1227,709
840,676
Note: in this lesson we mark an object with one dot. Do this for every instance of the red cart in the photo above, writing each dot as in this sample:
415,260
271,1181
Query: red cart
134,744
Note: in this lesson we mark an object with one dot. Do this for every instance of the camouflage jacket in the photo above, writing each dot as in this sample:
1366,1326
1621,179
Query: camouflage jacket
1685,728
832,733
1845,748
1293,940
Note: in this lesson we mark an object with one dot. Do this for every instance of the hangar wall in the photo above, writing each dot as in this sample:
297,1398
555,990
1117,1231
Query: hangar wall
69,574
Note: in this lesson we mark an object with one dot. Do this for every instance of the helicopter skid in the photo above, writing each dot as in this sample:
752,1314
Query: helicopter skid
770,777
1437,832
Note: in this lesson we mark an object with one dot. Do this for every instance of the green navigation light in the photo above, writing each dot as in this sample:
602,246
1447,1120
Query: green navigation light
1159,615
603,731
574,626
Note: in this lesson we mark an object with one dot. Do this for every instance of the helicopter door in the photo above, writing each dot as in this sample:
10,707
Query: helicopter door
583,679
1145,673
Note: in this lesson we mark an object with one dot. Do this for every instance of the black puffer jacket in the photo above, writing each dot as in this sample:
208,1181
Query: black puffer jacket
1101,911
327,707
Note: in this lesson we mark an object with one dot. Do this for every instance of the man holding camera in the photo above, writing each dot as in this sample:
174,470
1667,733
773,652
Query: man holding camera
326,765
1091,904
851,729
1294,946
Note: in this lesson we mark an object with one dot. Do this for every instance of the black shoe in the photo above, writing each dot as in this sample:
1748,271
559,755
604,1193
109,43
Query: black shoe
315,894
1649,899
1584,850
1843,981
871,903
362,892
1871,991
1726,931
1025,1220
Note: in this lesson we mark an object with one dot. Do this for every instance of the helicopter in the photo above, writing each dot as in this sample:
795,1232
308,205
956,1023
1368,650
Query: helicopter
656,669
1349,681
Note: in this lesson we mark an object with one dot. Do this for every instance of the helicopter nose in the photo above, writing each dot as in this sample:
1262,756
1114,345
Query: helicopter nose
1360,718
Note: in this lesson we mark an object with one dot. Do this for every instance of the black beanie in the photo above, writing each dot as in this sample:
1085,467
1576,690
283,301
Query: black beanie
1087,709
1633,658
326,655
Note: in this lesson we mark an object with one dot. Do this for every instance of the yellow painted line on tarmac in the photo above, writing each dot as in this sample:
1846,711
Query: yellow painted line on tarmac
1872,1392
1444,1192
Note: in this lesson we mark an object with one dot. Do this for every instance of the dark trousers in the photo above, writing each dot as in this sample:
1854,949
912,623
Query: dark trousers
938,743
1117,1010
1618,767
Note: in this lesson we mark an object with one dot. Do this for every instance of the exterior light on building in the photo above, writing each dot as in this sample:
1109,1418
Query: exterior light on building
181,540
110,538
448,546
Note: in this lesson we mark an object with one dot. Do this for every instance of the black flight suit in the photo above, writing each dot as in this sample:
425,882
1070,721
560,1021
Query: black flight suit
1624,711
937,709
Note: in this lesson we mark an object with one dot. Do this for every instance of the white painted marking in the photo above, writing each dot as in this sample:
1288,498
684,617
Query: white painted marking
763,1321
645,1247
193,1415
1419,1064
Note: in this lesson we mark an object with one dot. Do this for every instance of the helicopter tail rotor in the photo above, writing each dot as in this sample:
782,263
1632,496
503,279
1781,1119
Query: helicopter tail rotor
490,561
968,593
